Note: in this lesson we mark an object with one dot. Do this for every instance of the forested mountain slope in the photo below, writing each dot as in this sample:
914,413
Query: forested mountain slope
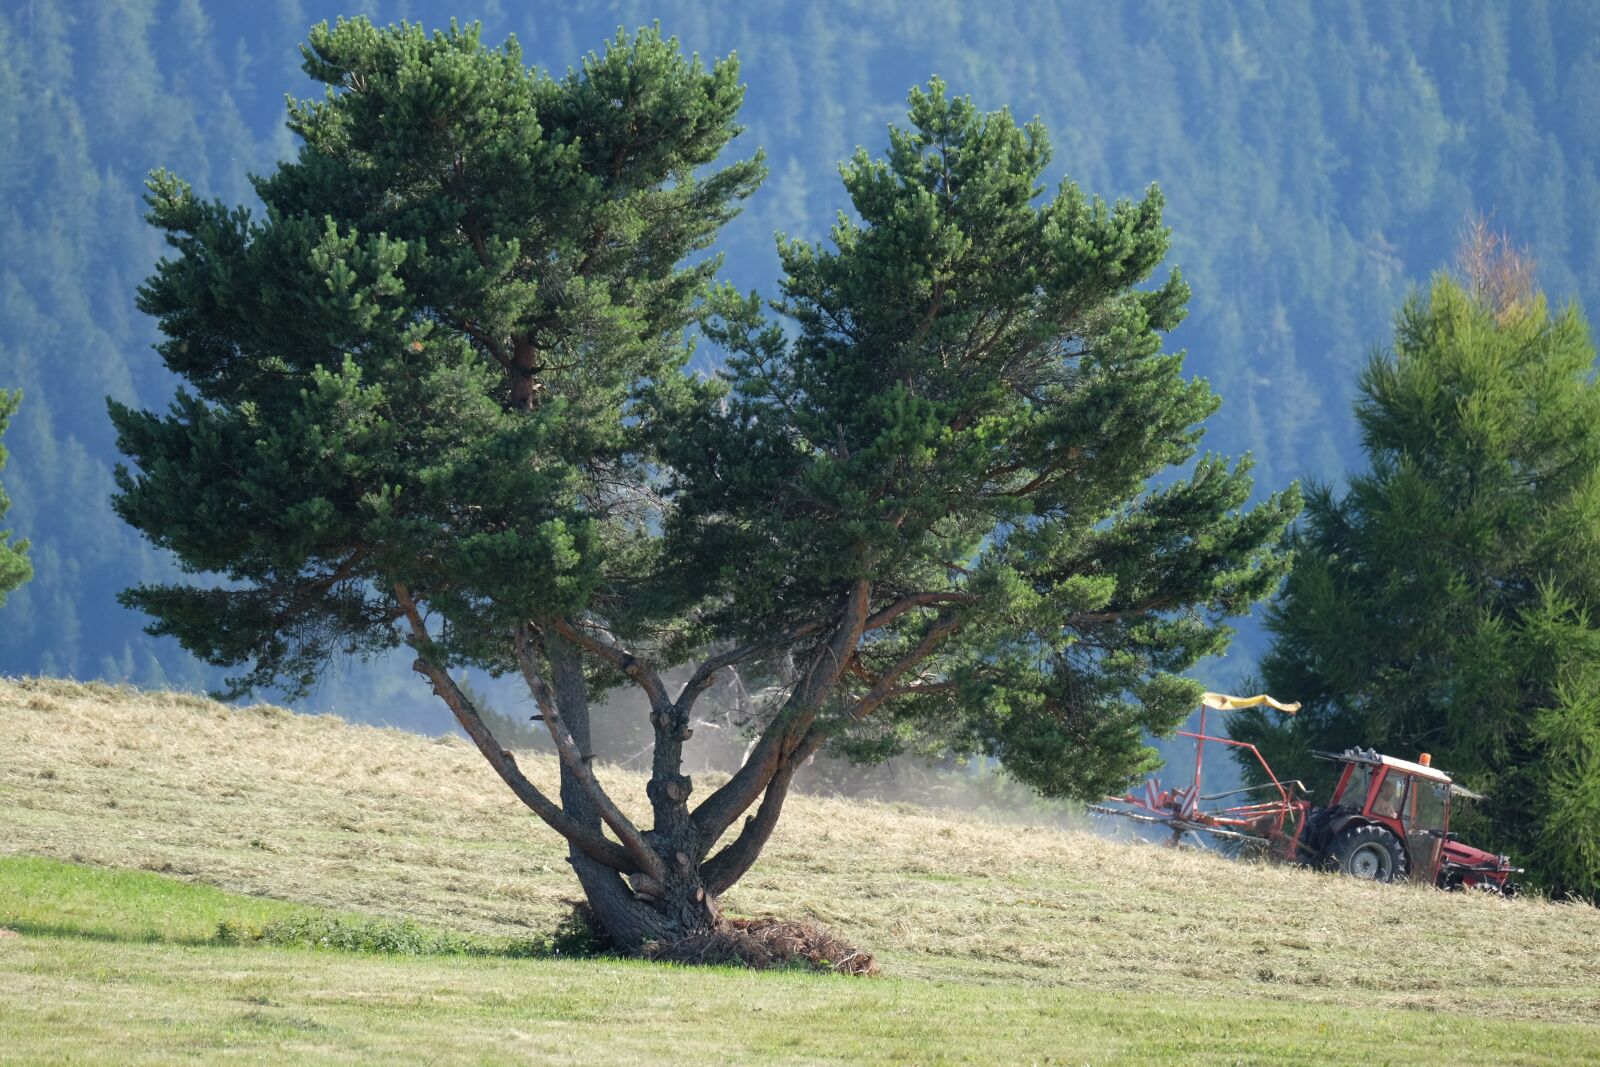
1317,160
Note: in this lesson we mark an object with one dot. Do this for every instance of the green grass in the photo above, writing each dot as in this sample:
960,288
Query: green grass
140,974
43,898
375,888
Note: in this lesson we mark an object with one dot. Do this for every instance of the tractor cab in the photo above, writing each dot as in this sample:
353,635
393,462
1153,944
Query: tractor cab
1389,820
1410,800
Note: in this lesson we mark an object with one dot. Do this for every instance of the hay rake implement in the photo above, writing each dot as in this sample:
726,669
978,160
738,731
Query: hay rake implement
1257,817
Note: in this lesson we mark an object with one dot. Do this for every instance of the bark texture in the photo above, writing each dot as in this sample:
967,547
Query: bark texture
666,903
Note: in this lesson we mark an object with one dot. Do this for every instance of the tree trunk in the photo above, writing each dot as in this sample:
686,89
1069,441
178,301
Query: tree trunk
524,373
646,910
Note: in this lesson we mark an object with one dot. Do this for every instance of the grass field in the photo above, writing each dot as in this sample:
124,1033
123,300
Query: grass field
175,815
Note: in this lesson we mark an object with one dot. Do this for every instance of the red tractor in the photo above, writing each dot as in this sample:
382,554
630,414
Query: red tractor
1388,819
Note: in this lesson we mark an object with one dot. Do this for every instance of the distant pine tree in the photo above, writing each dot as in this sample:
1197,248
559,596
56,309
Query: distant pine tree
14,566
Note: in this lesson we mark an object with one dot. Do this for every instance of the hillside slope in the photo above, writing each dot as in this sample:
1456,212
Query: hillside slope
266,802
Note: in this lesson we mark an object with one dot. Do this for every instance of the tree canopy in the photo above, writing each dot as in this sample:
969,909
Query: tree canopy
961,422
1449,600
437,396
414,368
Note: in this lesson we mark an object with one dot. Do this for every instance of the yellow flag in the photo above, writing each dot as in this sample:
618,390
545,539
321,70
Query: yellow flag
1226,703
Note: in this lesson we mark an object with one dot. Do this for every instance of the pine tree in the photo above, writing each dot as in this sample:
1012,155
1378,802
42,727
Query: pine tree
1449,601
926,491
14,566
439,398
409,381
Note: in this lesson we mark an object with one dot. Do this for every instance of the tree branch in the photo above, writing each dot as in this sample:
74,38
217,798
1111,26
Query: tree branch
739,855
884,687
494,348
668,789
982,351
1089,618
701,680
626,662
919,688
785,733
911,601
320,586
595,846
578,763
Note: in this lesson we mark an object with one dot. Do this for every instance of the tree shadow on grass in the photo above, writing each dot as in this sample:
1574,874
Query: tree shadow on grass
26,928
373,935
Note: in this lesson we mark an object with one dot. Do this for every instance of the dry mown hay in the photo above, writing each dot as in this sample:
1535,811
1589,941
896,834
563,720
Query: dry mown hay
313,810
764,944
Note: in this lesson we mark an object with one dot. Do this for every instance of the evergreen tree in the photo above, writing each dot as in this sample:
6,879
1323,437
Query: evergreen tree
439,398
411,378
14,566
926,493
1449,601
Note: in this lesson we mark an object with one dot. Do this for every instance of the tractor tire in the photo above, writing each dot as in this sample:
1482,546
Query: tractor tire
1369,852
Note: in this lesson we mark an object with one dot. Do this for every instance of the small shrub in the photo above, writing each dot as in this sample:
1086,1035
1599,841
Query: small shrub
230,932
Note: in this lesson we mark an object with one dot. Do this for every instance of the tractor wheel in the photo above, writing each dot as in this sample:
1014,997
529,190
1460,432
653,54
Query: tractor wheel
1369,852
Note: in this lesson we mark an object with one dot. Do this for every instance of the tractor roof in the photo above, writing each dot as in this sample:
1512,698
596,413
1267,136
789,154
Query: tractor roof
1415,768
1377,759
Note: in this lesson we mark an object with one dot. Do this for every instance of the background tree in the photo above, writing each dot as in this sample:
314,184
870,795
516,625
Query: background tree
1449,601
14,566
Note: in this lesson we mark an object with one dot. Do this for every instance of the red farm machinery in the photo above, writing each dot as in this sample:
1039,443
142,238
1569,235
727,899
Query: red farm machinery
1387,820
